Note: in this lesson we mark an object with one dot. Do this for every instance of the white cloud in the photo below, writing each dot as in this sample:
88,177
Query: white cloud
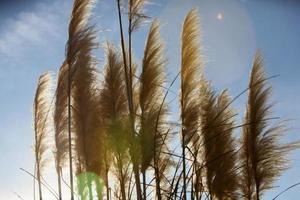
30,43
33,42
40,27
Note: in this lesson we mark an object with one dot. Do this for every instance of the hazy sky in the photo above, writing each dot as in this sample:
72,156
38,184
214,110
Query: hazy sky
32,40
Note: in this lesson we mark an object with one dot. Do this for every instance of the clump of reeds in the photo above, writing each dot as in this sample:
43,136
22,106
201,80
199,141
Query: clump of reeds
119,127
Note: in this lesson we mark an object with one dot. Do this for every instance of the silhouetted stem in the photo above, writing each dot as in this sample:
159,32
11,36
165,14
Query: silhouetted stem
130,104
144,184
106,176
37,161
157,185
27,172
69,132
183,166
292,186
58,171
34,181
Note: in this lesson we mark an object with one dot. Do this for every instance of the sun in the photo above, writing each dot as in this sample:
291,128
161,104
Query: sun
220,16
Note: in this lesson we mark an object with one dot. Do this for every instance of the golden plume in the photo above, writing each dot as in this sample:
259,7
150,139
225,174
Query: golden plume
264,158
136,14
82,78
216,122
113,94
61,122
85,105
86,122
114,113
151,102
79,31
41,118
191,64
151,81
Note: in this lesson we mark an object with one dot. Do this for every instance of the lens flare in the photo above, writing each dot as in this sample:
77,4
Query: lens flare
220,16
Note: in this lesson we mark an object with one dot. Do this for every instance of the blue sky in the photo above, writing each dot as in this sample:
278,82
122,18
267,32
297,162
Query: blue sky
33,35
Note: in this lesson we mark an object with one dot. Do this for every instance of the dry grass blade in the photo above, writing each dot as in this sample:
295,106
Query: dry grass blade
41,124
264,158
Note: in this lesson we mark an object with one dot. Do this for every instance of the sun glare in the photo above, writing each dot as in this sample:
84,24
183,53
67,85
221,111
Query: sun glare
220,16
